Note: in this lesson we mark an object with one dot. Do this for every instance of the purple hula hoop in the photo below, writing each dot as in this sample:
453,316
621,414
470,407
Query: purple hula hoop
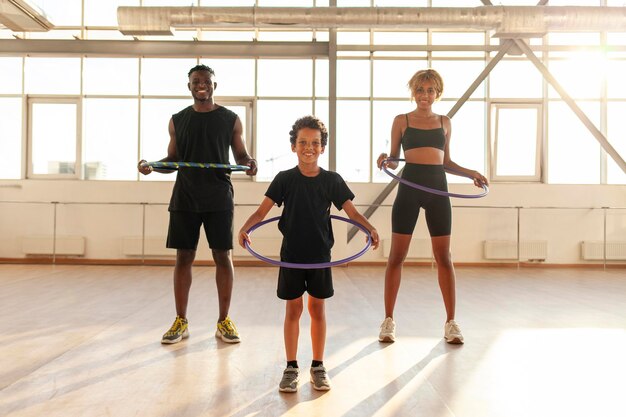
309,266
432,190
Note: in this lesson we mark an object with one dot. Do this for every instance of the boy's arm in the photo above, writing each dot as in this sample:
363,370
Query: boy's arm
353,214
260,213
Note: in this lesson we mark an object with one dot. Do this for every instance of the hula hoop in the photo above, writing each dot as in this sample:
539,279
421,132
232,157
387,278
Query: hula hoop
176,165
310,266
432,190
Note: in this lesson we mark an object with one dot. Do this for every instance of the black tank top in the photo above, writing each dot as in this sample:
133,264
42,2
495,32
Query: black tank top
203,137
423,138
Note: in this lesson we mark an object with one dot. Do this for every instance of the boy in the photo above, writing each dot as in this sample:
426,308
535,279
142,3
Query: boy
307,192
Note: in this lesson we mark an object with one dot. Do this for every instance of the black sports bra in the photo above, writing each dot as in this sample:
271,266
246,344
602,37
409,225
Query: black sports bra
423,138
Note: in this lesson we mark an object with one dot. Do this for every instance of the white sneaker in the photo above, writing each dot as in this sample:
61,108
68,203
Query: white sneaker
387,331
452,333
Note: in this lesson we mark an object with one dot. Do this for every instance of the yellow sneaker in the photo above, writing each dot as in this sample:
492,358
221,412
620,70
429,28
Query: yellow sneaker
227,331
177,332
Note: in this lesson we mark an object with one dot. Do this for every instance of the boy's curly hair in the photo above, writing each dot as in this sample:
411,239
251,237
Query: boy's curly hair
310,122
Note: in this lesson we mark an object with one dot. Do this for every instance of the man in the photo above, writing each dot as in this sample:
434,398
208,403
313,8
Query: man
203,132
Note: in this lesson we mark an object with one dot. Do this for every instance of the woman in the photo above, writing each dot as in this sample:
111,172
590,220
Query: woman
425,140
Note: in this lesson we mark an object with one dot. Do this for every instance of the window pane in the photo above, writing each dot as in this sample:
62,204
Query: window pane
111,76
391,77
505,76
10,138
285,36
110,156
400,38
573,75
155,118
467,142
61,13
615,136
53,138
104,13
385,112
516,141
616,87
353,140
285,77
321,77
234,77
353,78
458,76
10,75
52,76
353,38
573,152
274,121
321,111
166,77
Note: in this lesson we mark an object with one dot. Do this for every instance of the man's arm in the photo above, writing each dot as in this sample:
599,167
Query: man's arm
171,154
239,149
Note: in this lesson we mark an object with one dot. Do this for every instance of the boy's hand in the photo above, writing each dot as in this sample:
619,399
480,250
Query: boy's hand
243,237
375,239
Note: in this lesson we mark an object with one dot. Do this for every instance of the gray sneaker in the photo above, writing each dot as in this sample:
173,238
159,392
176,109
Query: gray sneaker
319,378
289,383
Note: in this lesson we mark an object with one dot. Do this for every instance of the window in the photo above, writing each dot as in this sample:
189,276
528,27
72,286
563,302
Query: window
110,154
516,142
54,137
573,152
11,138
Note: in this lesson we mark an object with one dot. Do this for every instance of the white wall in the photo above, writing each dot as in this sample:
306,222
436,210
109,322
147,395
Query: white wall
111,211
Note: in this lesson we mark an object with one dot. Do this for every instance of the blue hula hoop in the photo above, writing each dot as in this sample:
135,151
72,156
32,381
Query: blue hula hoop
315,265
176,165
433,190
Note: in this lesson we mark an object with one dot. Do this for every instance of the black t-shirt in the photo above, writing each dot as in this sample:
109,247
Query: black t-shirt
305,221
203,137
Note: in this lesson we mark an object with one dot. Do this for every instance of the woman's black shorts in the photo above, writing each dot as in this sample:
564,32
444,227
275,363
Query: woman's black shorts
406,207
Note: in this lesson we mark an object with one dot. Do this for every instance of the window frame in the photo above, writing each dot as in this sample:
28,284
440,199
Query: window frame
76,100
492,140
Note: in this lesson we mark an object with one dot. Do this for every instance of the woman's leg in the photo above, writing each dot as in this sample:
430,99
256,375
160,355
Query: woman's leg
397,254
445,273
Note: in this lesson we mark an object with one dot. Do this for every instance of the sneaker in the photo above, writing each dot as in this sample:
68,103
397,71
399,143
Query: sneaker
387,331
227,331
177,332
289,383
453,333
319,378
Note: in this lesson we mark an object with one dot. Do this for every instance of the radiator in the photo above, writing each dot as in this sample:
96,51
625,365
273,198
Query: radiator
153,246
594,250
45,245
536,250
419,249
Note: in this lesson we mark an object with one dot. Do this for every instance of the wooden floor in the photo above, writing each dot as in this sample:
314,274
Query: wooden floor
85,341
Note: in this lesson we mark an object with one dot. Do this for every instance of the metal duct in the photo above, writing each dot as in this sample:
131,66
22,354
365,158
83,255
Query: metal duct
22,16
507,21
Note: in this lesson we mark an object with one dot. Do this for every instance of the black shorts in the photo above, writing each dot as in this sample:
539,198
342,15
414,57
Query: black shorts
292,283
406,207
184,229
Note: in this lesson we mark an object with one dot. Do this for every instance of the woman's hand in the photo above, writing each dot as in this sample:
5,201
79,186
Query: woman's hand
388,164
479,179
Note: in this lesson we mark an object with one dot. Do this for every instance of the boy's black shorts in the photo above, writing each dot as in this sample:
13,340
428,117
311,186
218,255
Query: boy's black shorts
292,283
184,229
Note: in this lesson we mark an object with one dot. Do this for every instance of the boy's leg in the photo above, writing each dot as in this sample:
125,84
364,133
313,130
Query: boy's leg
318,327
291,329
